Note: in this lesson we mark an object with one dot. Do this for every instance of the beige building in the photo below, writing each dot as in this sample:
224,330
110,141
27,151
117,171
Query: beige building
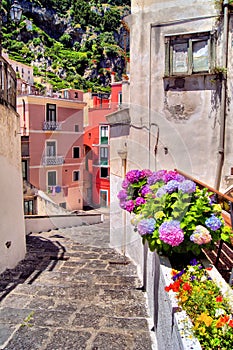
178,110
12,230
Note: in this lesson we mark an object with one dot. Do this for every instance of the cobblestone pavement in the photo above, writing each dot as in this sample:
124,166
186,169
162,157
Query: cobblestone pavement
73,292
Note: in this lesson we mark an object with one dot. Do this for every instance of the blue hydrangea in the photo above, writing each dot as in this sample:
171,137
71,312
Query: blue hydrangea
171,186
213,223
146,226
187,186
161,191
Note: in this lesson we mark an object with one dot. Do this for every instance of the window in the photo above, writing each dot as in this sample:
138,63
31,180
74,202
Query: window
103,198
76,128
51,112
75,175
51,148
186,54
104,134
52,178
119,98
28,207
103,155
76,152
103,172
76,95
66,94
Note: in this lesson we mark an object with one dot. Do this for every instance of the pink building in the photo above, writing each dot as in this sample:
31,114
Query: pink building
96,187
52,145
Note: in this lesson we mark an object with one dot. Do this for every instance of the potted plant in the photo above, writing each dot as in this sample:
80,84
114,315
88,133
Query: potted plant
172,213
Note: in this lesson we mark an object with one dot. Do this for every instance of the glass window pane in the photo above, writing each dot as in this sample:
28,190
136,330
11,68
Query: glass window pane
180,58
200,56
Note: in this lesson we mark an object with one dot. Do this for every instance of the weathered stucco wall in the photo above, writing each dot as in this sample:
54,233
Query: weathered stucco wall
12,231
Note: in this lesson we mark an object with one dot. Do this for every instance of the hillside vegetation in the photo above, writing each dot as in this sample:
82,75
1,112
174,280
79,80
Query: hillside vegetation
70,43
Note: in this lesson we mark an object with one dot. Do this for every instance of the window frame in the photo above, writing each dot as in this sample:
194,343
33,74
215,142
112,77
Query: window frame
189,39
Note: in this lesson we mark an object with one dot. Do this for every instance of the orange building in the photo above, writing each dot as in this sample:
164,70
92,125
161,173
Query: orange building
52,145
96,186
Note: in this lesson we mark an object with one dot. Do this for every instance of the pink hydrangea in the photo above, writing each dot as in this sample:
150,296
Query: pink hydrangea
171,233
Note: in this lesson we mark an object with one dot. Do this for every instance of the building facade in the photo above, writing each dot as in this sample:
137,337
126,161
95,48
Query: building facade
52,146
12,229
96,148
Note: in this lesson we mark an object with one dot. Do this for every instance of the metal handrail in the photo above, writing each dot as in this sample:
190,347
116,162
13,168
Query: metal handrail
8,84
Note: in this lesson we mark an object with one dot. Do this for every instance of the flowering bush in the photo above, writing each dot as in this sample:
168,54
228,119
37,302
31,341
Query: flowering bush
209,312
171,212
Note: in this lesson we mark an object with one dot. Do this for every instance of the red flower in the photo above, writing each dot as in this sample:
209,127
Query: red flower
219,299
173,286
187,286
230,323
209,268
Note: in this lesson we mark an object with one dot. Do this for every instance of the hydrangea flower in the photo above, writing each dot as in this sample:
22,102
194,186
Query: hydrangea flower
145,190
145,173
122,195
187,186
133,176
201,235
173,175
213,223
171,233
129,205
125,184
140,201
171,186
146,226
161,191
156,176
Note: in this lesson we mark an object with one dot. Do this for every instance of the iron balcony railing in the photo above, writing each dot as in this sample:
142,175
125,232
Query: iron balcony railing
54,160
8,84
51,125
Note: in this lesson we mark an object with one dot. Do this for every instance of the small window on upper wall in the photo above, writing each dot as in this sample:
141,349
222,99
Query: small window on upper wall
76,152
76,128
189,54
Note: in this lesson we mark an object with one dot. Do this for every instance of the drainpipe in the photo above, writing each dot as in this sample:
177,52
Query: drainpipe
220,160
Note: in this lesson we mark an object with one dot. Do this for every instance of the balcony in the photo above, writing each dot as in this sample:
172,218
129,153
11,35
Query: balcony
7,84
55,160
51,125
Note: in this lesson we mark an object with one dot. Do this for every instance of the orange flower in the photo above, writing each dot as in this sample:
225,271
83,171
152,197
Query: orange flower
222,321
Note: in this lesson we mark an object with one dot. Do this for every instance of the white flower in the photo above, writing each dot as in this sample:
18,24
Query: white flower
219,312
203,278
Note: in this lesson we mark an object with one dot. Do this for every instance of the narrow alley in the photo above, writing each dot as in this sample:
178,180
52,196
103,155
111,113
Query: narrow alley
73,292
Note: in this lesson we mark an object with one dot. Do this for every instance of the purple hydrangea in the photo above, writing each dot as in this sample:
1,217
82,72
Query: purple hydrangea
171,233
145,190
213,223
173,175
156,176
146,226
122,204
187,186
129,205
122,195
171,186
133,176
140,201
125,184
161,191
145,173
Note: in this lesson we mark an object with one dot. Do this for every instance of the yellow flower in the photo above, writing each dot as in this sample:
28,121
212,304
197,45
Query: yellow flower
205,318
159,215
217,208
